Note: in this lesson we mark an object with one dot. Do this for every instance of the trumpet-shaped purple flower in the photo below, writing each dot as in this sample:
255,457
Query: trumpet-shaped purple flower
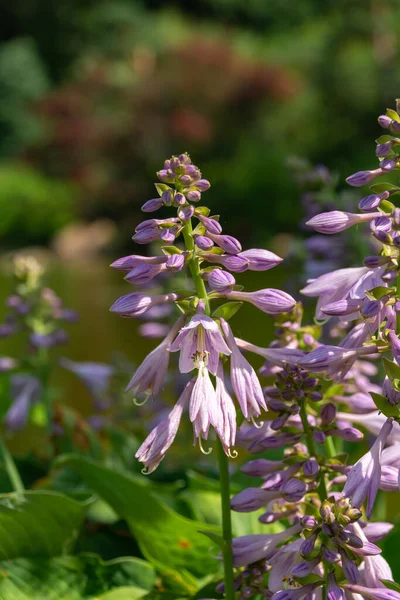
204,409
270,301
155,446
200,343
251,548
25,391
277,356
127,263
337,221
149,377
364,478
244,380
334,592
372,593
333,359
226,428
229,244
95,376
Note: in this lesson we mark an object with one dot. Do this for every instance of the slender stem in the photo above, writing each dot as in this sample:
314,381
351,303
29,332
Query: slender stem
10,468
223,464
330,447
226,522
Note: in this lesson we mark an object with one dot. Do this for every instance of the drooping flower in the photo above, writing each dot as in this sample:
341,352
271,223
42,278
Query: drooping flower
363,479
199,342
155,446
25,391
251,548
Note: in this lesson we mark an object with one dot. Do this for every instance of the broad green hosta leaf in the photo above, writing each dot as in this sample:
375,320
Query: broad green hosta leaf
38,524
84,577
164,536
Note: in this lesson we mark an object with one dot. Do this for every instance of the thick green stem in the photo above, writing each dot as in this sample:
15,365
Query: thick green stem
194,267
226,522
10,468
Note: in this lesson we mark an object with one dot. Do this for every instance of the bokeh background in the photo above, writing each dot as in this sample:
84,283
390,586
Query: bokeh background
94,95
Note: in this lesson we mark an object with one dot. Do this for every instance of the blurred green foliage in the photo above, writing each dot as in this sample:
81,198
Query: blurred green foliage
100,93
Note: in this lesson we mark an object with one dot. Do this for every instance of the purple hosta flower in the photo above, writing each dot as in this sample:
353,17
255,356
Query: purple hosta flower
204,409
226,428
229,244
343,307
175,262
282,564
333,591
136,303
333,360
25,391
221,281
260,260
203,242
385,121
252,499
7,364
270,301
277,356
244,380
279,440
143,274
349,434
211,225
186,212
152,205
358,402
295,593
390,392
127,263
363,177
375,567
372,593
232,262
388,164
389,481
260,467
375,532
305,567
293,490
149,377
337,221
395,345
333,286
391,456
200,343
311,467
95,376
363,480
382,150
251,548
155,446
350,569
373,422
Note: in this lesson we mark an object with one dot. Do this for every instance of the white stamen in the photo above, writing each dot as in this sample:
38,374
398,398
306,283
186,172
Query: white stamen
202,449
257,425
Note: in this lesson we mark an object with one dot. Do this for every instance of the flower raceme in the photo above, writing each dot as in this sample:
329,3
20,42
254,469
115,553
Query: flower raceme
205,343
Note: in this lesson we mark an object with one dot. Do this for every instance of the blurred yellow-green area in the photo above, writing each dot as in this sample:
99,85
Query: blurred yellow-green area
95,94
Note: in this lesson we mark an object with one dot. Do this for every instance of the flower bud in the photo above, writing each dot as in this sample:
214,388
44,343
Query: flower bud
211,225
293,490
383,150
175,262
308,522
193,195
228,243
152,205
388,164
167,236
167,197
221,281
185,213
203,185
385,121
311,467
328,413
362,178
372,201
203,242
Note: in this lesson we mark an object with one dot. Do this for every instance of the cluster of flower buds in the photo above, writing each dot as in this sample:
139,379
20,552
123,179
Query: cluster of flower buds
203,338
325,395
36,312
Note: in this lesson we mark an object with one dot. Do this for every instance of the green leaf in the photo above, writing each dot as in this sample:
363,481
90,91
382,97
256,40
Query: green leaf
382,404
384,138
214,537
227,310
163,535
169,250
383,186
392,369
392,585
84,577
378,292
38,523
161,187
202,210
199,229
392,114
